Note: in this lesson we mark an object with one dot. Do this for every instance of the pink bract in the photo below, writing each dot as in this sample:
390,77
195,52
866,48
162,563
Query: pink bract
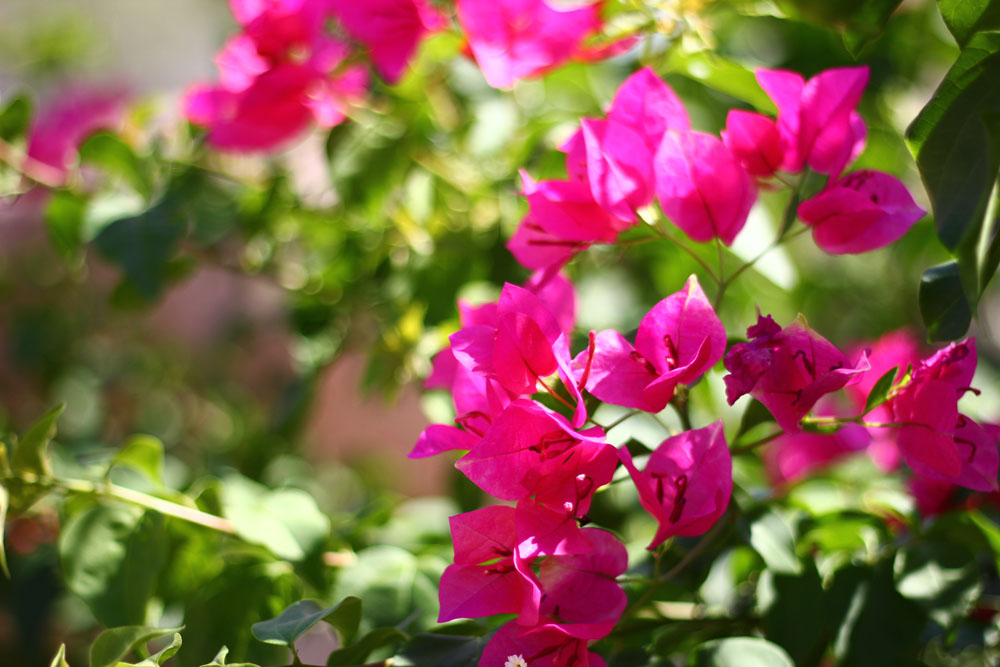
686,483
755,141
541,646
702,188
787,370
863,211
517,39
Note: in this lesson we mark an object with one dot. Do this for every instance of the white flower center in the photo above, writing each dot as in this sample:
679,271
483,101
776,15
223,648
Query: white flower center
515,661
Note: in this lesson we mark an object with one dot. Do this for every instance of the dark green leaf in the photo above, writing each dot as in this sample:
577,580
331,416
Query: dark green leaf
440,651
114,644
943,304
941,576
111,557
867,22
141,246
880,392
110,153
4,503
991,532
754,415
739,652
358,652
142,453
64,215
966,17
288,626
726,76
789,604
15,117
956,142
771,536
30,455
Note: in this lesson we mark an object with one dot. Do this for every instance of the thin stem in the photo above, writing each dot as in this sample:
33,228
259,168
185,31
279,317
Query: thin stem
680,405
627,415
556,396
722,263
659,229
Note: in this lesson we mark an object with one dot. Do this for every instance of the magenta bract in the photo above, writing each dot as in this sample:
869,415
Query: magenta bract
755,141
686,483
542,646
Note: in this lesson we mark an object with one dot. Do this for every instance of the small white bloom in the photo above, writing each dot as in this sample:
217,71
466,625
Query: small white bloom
515,661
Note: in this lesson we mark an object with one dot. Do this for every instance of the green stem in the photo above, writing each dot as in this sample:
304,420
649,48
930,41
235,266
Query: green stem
627,415
658,227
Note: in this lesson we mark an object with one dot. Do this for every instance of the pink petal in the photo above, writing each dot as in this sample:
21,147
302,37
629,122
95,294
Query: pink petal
755,141
649,106
438,438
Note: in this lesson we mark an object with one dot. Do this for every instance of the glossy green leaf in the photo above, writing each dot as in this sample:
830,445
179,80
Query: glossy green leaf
142,453
739,652
966,17
392,584
290,624
941,576
867,22
111,556
879,393
60,658
772,537
114,644
141,246
788,604
29,454
991,532
943,303
358,652
286,521
110,153
15,117
164,653
956,142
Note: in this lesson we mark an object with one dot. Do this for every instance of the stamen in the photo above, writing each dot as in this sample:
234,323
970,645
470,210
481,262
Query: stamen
591,345
679,501
672,355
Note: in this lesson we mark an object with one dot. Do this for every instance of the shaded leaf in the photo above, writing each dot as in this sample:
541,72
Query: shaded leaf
114,644
789,604
142,453
141,246
726,76
941,576
966,17
360,650
110,153
64,219
943,304
754,415
440,650
771,536
739,652
15,117
290,624
29,454
111,557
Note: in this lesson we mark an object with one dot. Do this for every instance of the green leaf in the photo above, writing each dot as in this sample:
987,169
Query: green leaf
440,650
990,531
111,557
966,17
788,604
360,650
114,644
754,415
726,76
867,22
60,659
392,585
941,576
29,454
15,117
114,156
141,246
880,392
290,624
943,303
771,536
739,652
142,453
64,218
956,142
4,503
220,660
165,653
286,521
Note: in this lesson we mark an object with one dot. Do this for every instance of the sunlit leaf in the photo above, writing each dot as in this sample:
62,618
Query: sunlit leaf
739,652
114,644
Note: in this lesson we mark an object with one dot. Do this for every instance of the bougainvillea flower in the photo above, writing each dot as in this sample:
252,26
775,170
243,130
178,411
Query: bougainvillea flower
816,118
645,103
702,188
787,370
515,645
531,450
391,29
548,531
59,128
686,483
863,211
487,577
516,39
928,405
679,339
580,593
755,141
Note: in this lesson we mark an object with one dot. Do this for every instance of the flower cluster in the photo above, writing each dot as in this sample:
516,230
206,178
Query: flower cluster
534,559
286,69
